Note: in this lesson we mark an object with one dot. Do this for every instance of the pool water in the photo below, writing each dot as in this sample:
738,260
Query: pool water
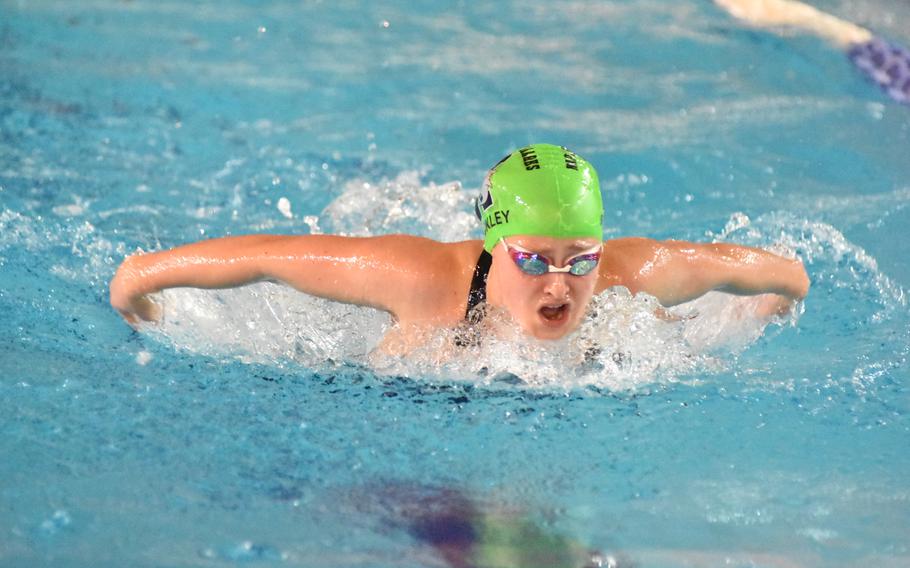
258,426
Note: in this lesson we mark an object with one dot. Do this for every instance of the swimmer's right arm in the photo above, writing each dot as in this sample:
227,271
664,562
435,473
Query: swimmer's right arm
207,264
395,273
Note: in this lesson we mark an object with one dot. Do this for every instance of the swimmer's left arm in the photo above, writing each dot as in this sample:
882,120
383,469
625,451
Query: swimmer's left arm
678,271
748,271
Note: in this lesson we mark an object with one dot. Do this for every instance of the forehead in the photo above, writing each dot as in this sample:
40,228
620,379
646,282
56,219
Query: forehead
553,245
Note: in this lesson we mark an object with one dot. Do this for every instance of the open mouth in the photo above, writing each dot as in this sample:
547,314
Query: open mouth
554,314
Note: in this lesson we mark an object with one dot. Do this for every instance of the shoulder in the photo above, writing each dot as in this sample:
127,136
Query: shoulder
430,256
644,245
397,252
418,280
443,274
452,268
627,245
634,261
432,266
632,252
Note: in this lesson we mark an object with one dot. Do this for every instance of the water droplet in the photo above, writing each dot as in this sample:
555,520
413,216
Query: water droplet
143,357
284,206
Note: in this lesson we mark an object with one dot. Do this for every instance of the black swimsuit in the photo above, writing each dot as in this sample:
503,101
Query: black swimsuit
468,335
478,293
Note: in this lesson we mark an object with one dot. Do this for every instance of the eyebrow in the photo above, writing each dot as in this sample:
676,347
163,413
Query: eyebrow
582,248
573,250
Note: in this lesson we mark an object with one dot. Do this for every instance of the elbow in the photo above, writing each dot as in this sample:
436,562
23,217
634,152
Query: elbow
801,282
127,290
125,278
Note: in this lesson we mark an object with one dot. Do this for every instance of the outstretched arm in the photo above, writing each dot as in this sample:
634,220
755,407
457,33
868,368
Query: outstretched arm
677,271
394,273
885,63
798,15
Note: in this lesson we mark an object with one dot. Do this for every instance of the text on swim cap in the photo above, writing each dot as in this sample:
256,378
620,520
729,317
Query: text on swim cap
497,218
529,157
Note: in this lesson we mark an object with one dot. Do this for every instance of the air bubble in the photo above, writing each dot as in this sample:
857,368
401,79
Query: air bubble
58,521
284,207
143,358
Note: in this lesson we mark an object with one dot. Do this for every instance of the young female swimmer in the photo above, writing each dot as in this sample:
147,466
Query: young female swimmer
885,63
541,260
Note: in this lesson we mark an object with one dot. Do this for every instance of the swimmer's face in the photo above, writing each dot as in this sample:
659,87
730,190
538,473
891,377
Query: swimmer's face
550,305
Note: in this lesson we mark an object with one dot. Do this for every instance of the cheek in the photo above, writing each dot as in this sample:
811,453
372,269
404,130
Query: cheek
519,289
524,292
519,284
584,287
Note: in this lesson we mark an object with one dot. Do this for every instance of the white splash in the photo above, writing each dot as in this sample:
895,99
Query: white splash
268,323
284,207
403,205
625,342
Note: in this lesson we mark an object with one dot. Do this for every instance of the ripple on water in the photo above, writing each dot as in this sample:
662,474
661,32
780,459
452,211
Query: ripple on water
245,551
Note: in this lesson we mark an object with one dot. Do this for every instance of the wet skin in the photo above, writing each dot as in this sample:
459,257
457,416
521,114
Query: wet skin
547,306
424,283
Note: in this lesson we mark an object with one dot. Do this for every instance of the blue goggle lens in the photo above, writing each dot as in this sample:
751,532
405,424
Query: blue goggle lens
536,265
531,264
583,265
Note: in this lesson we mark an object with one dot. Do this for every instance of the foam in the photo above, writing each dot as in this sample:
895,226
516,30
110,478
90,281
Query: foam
829,254
402,205
268,323
625,342
622,344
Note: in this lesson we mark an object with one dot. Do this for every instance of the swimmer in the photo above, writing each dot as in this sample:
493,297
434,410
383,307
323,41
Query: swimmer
540,262
885,63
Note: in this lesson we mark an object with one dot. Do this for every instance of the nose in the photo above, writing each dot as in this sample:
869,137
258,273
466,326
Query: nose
556,285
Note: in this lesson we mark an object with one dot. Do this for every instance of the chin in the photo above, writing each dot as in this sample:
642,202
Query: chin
543,328
549,334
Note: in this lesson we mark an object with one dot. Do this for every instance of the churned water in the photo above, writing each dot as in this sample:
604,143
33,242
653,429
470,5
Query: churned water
258,426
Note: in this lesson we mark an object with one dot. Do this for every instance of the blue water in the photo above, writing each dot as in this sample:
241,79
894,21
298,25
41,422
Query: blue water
253,428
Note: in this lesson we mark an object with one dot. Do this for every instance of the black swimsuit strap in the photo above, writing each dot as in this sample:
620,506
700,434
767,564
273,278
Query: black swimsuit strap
478,293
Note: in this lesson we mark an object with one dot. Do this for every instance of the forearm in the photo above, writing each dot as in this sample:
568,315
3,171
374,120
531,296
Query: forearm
216,263
678,271
382,272
750,271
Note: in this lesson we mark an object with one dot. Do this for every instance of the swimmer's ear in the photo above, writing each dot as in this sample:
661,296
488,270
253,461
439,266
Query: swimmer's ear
485,200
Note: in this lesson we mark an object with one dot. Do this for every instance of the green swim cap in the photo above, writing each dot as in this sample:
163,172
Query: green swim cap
542,190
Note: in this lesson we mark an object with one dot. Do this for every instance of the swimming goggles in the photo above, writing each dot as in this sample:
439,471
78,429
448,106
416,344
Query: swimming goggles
537,265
